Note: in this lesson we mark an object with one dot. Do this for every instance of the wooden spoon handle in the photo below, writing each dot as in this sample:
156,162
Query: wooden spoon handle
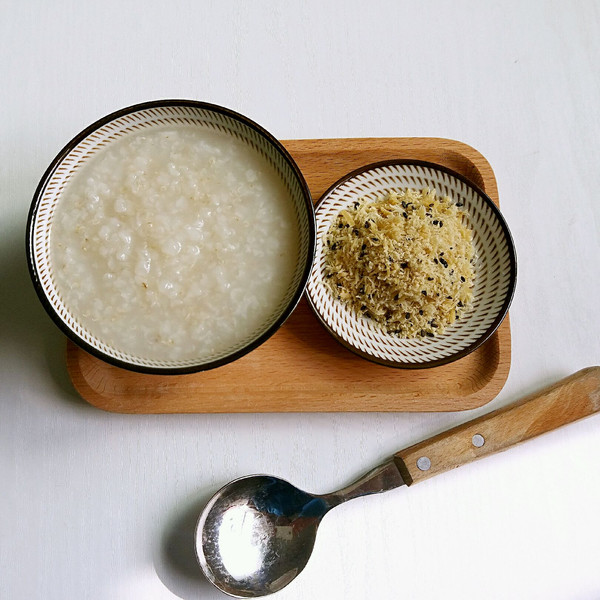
569,400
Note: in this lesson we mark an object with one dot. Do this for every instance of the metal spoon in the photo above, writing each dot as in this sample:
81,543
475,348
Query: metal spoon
257,533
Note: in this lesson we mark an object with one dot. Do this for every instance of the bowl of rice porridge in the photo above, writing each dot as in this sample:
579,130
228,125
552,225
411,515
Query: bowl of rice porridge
414,266
171,237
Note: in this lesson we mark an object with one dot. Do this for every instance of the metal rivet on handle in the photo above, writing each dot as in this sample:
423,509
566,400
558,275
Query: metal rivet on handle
423,463
478,440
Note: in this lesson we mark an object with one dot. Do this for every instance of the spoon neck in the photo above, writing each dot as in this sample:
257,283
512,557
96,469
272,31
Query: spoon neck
380,479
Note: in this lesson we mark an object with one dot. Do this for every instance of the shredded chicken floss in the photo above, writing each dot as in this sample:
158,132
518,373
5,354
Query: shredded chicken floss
404,260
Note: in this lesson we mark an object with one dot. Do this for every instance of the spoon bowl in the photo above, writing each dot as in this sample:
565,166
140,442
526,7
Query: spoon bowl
257,534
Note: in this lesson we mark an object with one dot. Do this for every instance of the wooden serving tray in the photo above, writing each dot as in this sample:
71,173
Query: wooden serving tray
302,368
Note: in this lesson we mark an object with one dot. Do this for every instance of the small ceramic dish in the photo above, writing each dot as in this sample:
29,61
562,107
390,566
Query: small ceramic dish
495,267
265,151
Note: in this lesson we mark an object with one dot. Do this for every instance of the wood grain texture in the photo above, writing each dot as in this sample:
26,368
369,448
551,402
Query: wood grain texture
565,402
302,368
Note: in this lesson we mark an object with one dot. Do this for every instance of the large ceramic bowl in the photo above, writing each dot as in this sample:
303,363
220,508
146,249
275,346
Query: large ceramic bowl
495,267
107,132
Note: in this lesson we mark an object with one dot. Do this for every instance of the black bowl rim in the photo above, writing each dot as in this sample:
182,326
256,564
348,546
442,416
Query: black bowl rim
309,205
512,259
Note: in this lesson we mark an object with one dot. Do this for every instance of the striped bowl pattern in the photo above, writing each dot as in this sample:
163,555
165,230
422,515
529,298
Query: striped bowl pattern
109,129
495,267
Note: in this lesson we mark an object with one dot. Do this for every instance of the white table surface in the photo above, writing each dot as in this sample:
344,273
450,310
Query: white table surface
102,506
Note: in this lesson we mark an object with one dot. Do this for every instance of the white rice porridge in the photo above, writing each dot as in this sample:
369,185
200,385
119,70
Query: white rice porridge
175,243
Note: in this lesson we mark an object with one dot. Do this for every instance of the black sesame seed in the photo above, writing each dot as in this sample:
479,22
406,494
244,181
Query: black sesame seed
356,204
462,279
340,225
435,260
459,204
405,215
334,246
444,263
460,303
429,334
420,312
407,315
363,247
355,231
367,224
396,297
430,279
441,223
449,297
435,221
363,307
424,292
441,254
404,265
